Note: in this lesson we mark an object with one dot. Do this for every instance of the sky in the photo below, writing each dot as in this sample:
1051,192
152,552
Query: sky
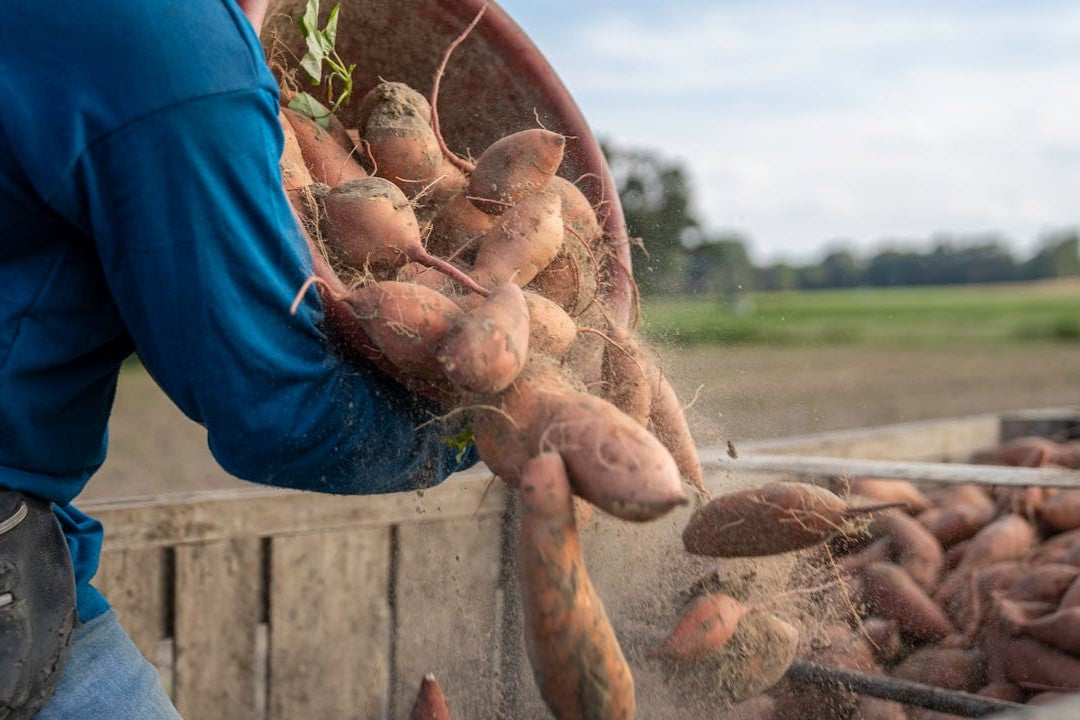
810,125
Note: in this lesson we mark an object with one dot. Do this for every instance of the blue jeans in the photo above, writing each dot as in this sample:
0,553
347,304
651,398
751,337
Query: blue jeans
106,678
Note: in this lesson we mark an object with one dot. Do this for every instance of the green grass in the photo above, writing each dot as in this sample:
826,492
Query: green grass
909,316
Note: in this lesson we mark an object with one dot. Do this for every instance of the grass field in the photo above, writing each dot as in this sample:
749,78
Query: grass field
887,317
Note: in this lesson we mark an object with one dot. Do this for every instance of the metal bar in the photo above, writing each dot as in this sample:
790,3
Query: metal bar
897,690
958,473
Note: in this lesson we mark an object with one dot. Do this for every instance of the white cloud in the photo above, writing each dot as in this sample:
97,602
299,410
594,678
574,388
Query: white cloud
801,122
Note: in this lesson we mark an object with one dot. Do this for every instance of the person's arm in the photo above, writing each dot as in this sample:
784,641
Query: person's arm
203,258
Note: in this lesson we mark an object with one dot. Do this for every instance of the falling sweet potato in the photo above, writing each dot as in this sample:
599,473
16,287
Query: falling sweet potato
576,659
629,377
612,461
775,518
668,421
704,625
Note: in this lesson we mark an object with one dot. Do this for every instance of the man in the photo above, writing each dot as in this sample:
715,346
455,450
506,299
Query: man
142,210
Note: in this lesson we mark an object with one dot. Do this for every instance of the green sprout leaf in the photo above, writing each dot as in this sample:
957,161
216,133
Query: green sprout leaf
306,104
461,442
330,31
320,49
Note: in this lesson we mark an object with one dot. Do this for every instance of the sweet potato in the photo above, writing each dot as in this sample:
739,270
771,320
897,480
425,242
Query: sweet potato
704,625
1067,454
629,377
456,229
1071,597
394,93
1060,628
370,225
756,657
326,159
883,490
524,240
952,668
914,548
1003,690
1061,510
1045,583
775,518
877,551
838,646
430,703
1037,666
872,708
668,422
515,166
570,279
955,522
883,638
889,591
403,146
968,605
295,176
578,214
486,347
1056,548
1009,537
576,660
406,322
612,462
1019,452
551,330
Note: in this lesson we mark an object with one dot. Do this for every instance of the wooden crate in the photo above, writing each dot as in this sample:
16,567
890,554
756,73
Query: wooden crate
275,604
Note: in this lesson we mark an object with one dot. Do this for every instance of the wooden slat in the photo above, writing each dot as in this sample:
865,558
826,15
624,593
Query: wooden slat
447,613
956,473
217,611
330,625
951,439
133,581
216,515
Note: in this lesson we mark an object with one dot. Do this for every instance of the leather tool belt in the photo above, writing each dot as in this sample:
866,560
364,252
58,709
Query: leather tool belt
37,604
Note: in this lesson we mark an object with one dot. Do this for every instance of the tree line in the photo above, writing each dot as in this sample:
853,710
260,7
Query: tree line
673,254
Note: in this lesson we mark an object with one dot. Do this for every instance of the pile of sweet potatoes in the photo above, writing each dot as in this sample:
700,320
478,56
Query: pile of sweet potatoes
969,588
483,285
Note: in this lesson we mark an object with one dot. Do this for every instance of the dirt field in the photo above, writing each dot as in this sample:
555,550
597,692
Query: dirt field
742,394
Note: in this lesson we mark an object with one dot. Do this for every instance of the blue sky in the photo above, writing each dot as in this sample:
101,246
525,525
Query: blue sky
811,124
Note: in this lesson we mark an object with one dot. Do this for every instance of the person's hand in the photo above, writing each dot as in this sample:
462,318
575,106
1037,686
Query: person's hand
255,11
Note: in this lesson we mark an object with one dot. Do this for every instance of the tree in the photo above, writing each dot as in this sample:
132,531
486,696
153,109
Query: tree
655,197
720,266
1058,257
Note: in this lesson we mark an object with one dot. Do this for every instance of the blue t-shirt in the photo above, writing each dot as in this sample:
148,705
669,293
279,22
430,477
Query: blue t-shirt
141,210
